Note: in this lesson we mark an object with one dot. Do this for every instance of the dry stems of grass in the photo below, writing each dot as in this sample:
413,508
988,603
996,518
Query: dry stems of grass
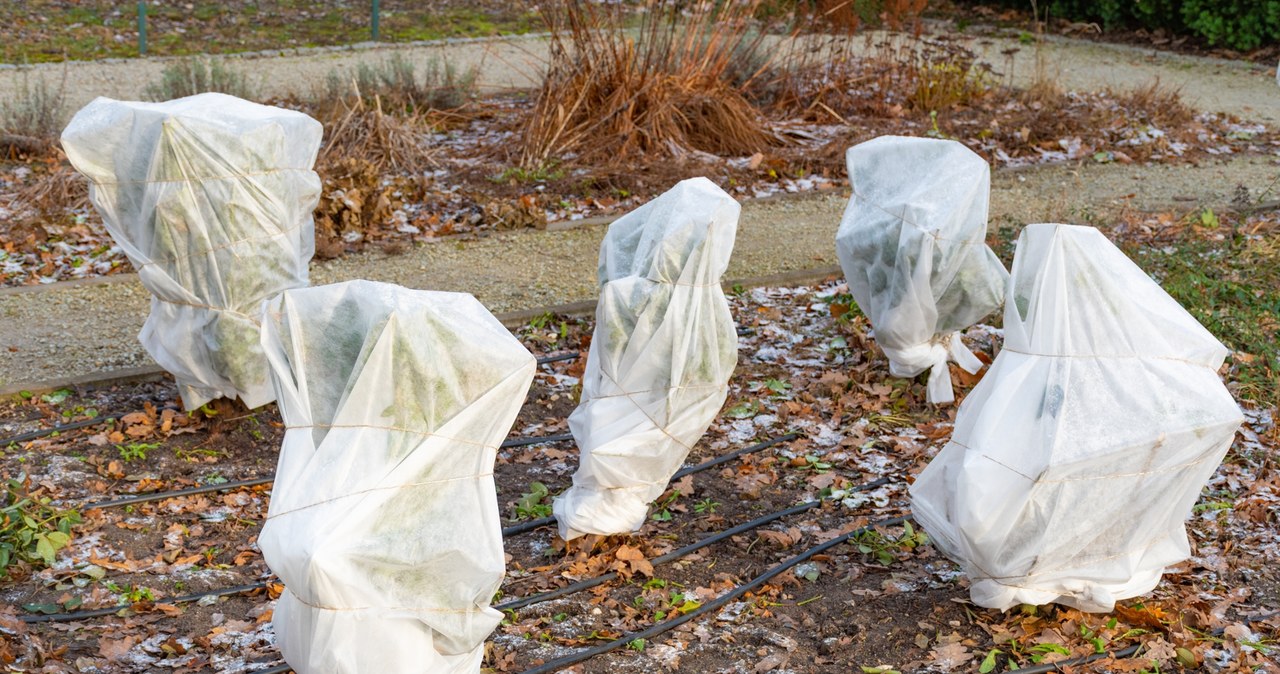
31,120
674,85
390,142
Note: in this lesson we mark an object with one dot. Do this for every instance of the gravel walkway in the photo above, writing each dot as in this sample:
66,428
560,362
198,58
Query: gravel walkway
1210,84
54,333
76,329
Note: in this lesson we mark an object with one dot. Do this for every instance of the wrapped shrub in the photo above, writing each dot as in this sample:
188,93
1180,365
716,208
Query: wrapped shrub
1077,458
661,356
384,518
912,246
210,197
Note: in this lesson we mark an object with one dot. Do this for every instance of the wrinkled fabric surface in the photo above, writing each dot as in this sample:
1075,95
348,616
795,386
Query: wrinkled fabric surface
912,246
661,356
1078,457
384,523
210,197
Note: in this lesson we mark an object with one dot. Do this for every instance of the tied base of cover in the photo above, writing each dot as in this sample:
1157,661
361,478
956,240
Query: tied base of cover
602,511
934,356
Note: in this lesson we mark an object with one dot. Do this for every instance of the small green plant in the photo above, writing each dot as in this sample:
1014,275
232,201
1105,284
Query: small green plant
814,464
776,387
191,76
989,663
135,451
534,504
662,512
516,174
636,645
706,505
883,548
1041,651
31,529
130,594
56,397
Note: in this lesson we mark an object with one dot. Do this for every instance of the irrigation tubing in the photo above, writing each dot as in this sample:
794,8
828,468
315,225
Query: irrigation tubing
227,486
589,583
713,605
85,423
549,520
1083,660
101,612
506,533
36,435
1120,654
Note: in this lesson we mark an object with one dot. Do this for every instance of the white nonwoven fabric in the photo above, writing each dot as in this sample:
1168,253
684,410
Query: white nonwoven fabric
661,356
384,523
210,197
1076,460
912,247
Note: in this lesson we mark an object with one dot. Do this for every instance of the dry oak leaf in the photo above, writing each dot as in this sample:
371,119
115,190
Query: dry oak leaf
631,561
114,649
951,656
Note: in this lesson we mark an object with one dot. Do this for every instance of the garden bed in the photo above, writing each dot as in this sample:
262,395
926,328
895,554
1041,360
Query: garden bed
806,366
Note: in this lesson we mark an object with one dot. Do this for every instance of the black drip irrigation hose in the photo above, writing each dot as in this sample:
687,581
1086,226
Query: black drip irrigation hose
549,520
511,531
85,423
227,486
1071,662
713,605
101,612
1129,652
572,355
36,435
588,583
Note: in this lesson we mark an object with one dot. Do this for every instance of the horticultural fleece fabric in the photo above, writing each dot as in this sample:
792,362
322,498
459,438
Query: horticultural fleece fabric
384,519
912,246
210,197
1078,457
661,356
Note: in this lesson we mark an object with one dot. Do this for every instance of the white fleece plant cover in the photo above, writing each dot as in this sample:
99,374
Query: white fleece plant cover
661,356
210,197
384,518
1077,458
912,246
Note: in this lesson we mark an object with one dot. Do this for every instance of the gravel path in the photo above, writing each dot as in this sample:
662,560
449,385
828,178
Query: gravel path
1210,84
76,329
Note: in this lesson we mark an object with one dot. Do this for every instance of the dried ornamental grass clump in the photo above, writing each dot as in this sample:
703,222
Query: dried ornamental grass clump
1078,457
912,246
661,356
384,516
211,198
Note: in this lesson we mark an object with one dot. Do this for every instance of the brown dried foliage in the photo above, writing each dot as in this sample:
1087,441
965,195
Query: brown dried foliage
673,86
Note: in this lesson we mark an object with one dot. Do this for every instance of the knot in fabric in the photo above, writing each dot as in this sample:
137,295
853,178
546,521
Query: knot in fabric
933,356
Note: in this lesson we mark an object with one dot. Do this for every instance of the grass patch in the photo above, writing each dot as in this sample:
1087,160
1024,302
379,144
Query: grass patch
51,31
1233,288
